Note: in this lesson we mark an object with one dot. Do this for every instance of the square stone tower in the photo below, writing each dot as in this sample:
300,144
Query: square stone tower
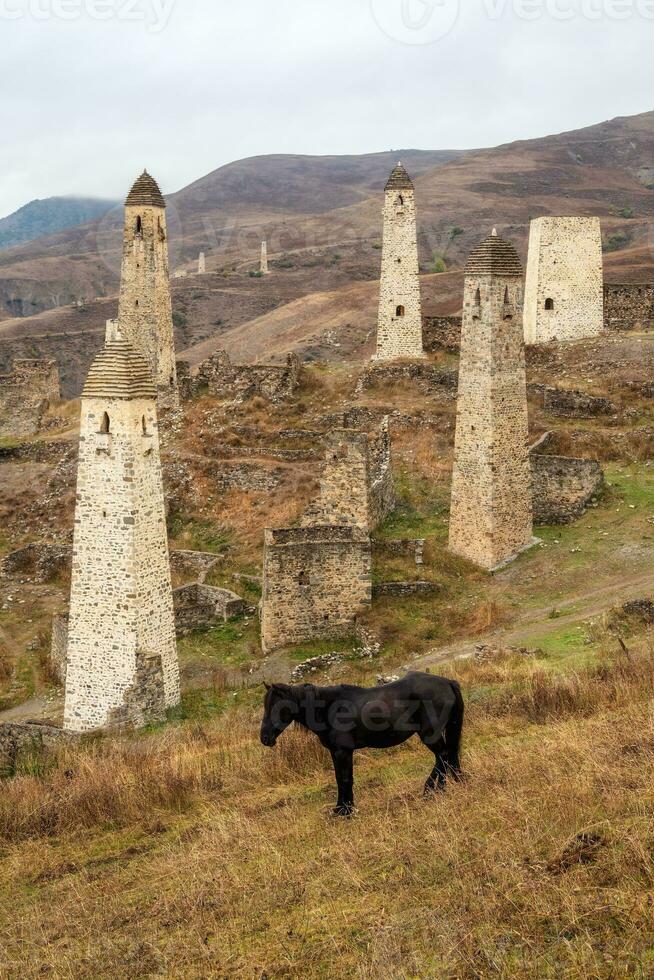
399,324
202,264
144,310
564,289
491,509
264,259
122,656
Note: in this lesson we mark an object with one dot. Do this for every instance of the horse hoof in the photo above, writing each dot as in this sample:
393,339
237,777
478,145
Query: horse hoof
343,811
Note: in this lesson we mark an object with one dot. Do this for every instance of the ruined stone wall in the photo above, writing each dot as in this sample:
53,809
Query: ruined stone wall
145,310
121,595
442,333
198,606
241,381
563,487
629,306
25,395
429,379
36,562
316,581
491,510
564,270
399,323
356,485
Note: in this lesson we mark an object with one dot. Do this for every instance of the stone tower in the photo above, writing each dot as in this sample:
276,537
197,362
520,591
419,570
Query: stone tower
491,519
202,264
264,258
399,324
564,290
122,657
145,311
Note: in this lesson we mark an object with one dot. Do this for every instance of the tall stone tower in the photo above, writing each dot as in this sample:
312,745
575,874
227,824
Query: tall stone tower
264,259
122,657
144,310
491,519
399,324
564,289
202,264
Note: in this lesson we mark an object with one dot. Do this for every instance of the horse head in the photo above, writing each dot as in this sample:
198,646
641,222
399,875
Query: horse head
279,711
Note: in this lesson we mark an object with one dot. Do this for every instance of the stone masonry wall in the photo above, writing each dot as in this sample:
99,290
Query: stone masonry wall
356,485
491,510
59,647
442,333
316,580
399,335
121,596
25,395
36,562
145,310
197,606
563,487
238,382
564,269
629,306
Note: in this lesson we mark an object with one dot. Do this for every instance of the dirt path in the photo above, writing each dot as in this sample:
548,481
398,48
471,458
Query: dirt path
536,622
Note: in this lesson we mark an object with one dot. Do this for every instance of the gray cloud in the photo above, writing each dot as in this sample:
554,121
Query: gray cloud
184,86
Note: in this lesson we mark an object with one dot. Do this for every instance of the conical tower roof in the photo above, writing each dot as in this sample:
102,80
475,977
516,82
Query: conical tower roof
119,371
494,257
399,180
145,191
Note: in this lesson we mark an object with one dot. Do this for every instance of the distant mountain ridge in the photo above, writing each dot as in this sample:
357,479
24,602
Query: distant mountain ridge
50,215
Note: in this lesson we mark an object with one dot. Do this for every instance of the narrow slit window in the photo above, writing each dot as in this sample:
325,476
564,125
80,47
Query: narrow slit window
105,425
399,311
139,225
478,298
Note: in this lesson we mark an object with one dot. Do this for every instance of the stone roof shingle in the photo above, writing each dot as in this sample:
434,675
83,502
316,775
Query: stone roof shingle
399,180
494,257
145,191
119,371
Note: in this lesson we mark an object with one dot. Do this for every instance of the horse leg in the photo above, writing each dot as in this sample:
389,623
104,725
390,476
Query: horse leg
344,769
438,775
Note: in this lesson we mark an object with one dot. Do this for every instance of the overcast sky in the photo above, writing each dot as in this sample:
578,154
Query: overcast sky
94,90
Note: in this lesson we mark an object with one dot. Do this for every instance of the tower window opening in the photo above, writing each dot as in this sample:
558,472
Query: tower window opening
399,311
549,304
105,425
400,200
137,303
478,297
139,225
144,426
507,299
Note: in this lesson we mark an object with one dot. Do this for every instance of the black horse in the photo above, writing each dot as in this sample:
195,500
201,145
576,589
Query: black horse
346,718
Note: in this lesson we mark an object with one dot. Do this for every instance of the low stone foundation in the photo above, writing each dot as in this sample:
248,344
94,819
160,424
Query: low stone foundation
59,647
413,548
241,381
36,562
402,590
568,403
144,701
563,487
428,378
29,739
192,566
629,306
198,606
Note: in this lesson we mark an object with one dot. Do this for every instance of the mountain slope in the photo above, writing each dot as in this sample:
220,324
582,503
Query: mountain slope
45,217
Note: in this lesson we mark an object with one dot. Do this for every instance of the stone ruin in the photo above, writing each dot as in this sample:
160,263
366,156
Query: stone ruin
198,606
37,562
316,581
317,578
242,381
629,306
26,393
356,485
563,487
491,507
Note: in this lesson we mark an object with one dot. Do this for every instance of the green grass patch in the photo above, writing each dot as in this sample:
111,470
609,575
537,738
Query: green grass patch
193,534
227,645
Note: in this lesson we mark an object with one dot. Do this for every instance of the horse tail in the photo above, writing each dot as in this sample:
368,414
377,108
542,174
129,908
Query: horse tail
454,729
